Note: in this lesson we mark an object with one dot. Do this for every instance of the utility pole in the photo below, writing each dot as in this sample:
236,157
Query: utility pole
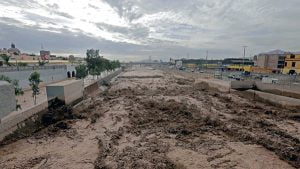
206,59
244,56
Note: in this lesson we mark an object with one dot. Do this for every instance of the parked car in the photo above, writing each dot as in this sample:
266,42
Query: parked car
231,76
182,68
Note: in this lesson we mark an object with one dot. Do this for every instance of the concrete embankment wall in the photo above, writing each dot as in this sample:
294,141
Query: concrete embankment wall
109,77
283,90
261,96
48,73
8,98
276,100
13,122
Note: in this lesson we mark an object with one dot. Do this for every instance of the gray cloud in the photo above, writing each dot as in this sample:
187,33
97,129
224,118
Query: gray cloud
161,28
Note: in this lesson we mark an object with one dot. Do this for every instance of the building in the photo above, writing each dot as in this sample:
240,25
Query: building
237,61
201,63
13,52
53,57
72,58
178,63
45,55
292,64
25,56
273,61
238,64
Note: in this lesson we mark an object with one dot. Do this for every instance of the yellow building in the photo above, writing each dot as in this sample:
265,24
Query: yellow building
292,64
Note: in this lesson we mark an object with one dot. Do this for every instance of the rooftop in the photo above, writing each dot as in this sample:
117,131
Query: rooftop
64,83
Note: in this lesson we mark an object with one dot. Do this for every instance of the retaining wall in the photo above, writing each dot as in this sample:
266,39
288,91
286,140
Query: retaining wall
8,99
90,88
281,101
283,90
48,73
108,78
242,85
15,120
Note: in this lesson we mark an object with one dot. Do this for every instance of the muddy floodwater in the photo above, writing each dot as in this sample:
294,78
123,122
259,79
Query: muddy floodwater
155,119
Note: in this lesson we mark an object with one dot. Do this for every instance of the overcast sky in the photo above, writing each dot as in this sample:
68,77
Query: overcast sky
136,29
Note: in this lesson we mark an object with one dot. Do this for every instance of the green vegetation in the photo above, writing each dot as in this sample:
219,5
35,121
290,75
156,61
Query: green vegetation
5,58
97,64
18,89
22,64
34,81
81,71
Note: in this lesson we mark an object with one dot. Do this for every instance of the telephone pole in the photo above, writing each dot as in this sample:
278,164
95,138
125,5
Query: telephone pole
206,59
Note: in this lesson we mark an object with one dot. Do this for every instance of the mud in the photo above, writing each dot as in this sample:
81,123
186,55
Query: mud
155,119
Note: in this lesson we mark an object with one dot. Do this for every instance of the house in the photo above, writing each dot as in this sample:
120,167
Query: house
273,60
292,63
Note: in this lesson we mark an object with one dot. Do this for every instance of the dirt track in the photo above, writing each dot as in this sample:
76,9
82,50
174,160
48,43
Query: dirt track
154,119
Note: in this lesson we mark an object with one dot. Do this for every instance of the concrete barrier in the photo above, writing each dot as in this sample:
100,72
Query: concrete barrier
280,101
108,78
221,85
242,85
283,90
91,88
16,120
7,99
66,91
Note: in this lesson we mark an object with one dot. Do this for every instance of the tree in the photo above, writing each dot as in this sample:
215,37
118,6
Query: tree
94,62
91,57
34,81
115,64
6,58
18,90
81,71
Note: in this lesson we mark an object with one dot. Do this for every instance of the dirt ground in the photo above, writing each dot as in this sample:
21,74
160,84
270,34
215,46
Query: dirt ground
155,119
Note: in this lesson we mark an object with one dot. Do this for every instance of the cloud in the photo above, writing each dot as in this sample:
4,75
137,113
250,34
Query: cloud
161,28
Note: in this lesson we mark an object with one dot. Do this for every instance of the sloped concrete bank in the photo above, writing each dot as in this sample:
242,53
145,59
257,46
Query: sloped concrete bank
265,97
273,99
283,90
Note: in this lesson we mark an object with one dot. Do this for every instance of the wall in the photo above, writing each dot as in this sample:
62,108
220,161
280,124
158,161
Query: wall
273,99
91,88
10,124
7,99
16,122
67,91
109,77
48,73
284,90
